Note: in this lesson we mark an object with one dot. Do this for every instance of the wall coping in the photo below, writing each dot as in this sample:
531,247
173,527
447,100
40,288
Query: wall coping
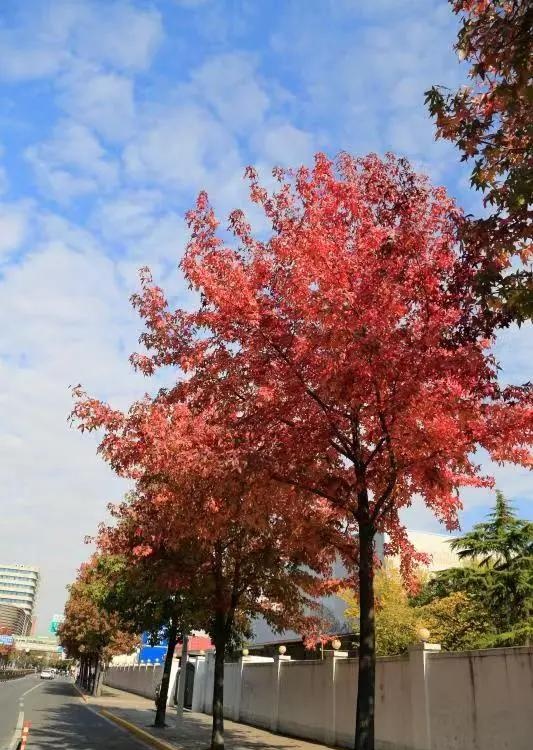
482,653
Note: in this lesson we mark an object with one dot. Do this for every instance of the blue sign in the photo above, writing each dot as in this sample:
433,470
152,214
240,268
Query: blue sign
6,640
153,654
150,653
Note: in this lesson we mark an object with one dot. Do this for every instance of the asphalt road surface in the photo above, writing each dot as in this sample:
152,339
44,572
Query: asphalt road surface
59,719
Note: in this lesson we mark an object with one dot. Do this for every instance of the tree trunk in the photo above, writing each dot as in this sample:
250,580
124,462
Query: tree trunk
98,677
82,677
92,674
364,723
160,714
217,735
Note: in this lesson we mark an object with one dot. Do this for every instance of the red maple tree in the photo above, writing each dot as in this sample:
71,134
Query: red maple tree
255,548
490,122
344,351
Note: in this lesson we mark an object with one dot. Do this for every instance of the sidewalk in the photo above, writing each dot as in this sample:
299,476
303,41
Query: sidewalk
195,730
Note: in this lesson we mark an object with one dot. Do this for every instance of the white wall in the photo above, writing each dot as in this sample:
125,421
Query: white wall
257,696
303,696
345,700
428,700
232,676
141,680
482,699
393,701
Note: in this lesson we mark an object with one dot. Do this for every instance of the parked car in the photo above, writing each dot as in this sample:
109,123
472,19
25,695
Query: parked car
47,674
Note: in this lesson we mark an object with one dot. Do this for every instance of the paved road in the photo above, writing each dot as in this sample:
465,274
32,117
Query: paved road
10,695
59,718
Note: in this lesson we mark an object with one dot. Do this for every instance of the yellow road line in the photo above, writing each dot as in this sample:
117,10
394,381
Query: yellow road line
146,737
84,697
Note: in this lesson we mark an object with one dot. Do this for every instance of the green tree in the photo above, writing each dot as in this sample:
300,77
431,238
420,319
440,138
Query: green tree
89,633
490,122
455,621
397,623
138,592
499,576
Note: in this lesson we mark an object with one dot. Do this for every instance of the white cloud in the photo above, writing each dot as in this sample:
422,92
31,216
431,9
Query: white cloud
102,100
285,145
13,223
366,68
43,42
118,34
141,225
72,163
184,147
515,351
229,83
71,321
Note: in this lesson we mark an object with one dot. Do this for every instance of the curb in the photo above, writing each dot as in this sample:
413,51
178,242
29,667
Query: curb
146,737
82,695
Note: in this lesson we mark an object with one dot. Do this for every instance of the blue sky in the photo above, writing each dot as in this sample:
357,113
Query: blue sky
113,115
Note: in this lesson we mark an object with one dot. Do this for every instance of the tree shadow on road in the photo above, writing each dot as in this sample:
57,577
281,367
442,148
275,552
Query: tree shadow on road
73,726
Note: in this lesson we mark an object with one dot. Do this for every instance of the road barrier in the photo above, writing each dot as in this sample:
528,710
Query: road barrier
25,733
12,674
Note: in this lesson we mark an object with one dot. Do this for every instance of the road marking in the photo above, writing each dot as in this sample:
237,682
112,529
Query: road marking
39,684
100,715
18,731
82,695
22,729
137,732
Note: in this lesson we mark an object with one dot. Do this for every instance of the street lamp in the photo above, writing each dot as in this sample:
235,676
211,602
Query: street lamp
423,634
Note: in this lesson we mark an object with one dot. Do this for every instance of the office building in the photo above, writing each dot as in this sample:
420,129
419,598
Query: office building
18,587
14,620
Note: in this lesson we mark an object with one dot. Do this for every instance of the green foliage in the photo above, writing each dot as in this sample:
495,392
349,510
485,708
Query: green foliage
498,541
397,622
487,603
455,621
499,577
88,629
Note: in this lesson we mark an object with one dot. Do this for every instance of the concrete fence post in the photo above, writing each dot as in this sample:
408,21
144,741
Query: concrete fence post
174,669
238,689
200,678
276,678
420,716
331,659
209,670
182,678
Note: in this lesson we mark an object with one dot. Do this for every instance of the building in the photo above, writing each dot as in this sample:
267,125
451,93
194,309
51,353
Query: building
45,648
14,620
18,587
437,546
